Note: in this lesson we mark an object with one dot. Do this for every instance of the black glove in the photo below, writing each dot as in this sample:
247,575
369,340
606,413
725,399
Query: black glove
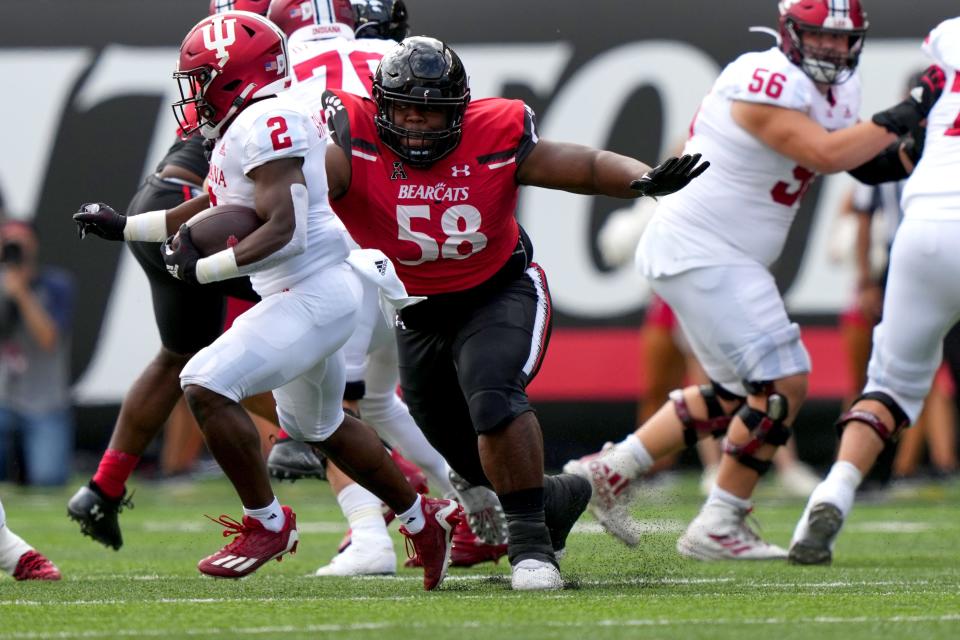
181,255
101,220
905,117
913,145
670,176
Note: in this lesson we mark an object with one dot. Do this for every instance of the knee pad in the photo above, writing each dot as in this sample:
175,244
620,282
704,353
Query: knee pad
717,420
900,419
766,427
490,410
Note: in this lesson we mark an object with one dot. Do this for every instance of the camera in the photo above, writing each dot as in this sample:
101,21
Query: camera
11,253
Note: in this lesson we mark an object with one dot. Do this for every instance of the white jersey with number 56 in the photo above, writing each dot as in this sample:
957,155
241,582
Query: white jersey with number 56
740,210
933,190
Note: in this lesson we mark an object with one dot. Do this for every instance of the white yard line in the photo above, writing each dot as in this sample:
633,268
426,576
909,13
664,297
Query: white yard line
647,582
475,624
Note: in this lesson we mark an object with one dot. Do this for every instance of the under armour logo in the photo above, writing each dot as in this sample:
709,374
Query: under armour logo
381,267
457,172
96,513
218,35
273,516
398,172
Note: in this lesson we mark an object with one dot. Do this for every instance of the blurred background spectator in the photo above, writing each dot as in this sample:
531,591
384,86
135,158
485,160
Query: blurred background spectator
36,309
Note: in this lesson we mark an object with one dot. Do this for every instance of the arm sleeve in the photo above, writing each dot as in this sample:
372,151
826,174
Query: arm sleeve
337,118
528,137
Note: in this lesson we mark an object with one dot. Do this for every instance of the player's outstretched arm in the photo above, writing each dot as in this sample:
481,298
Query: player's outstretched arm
101,220
795,135
580,169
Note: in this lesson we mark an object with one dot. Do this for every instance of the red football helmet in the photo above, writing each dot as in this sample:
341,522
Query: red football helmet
838,17
255,6
291,15
226,61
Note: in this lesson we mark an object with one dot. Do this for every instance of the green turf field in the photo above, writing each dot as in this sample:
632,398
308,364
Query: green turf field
896,575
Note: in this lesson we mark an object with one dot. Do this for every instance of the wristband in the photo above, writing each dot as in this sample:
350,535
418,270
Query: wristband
146,227
220,266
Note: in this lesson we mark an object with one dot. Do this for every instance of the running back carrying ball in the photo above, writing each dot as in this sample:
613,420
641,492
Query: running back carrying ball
222,227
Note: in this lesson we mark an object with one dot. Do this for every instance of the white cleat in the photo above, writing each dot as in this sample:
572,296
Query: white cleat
610,473
721,532
483,509
535,575
813,543
362,559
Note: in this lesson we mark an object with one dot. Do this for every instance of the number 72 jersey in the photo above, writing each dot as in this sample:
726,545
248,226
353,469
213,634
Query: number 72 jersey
740,210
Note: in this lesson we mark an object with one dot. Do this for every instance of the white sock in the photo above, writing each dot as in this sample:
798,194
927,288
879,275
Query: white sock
12,547
718,495
362,510
639,452
392,421
839,487
412,519
271,516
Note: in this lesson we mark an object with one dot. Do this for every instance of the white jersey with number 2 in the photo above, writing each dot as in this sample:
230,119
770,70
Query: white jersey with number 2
740,210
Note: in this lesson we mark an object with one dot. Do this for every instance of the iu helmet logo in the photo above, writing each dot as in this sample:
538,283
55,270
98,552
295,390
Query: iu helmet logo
219,34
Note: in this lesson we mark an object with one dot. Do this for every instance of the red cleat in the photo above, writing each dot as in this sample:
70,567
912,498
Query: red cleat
434,543
33,565
468,549
411,472
252,548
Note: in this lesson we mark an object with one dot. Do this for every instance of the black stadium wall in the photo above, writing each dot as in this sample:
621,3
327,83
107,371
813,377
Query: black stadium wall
87,88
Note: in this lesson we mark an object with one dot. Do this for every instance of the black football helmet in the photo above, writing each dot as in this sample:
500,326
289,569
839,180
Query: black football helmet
381,19
421,71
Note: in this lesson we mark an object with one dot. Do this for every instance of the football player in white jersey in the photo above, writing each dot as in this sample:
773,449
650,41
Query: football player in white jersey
325,53
269,154
772,121
922,302
19,559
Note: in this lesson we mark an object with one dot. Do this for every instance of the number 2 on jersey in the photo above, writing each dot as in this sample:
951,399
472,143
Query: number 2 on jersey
460,223
278,129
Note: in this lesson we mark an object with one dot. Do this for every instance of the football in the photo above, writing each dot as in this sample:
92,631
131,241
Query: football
221,227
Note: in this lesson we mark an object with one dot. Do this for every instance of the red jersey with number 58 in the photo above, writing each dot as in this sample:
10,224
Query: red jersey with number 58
447,227
740,210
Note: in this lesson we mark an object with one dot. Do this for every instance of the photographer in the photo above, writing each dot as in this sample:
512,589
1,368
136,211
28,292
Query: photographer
36,308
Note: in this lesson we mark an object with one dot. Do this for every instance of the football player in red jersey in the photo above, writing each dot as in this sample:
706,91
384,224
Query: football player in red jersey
432,179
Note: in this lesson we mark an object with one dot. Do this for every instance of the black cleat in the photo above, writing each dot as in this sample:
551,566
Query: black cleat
292,460
97,514
565,498
823,525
